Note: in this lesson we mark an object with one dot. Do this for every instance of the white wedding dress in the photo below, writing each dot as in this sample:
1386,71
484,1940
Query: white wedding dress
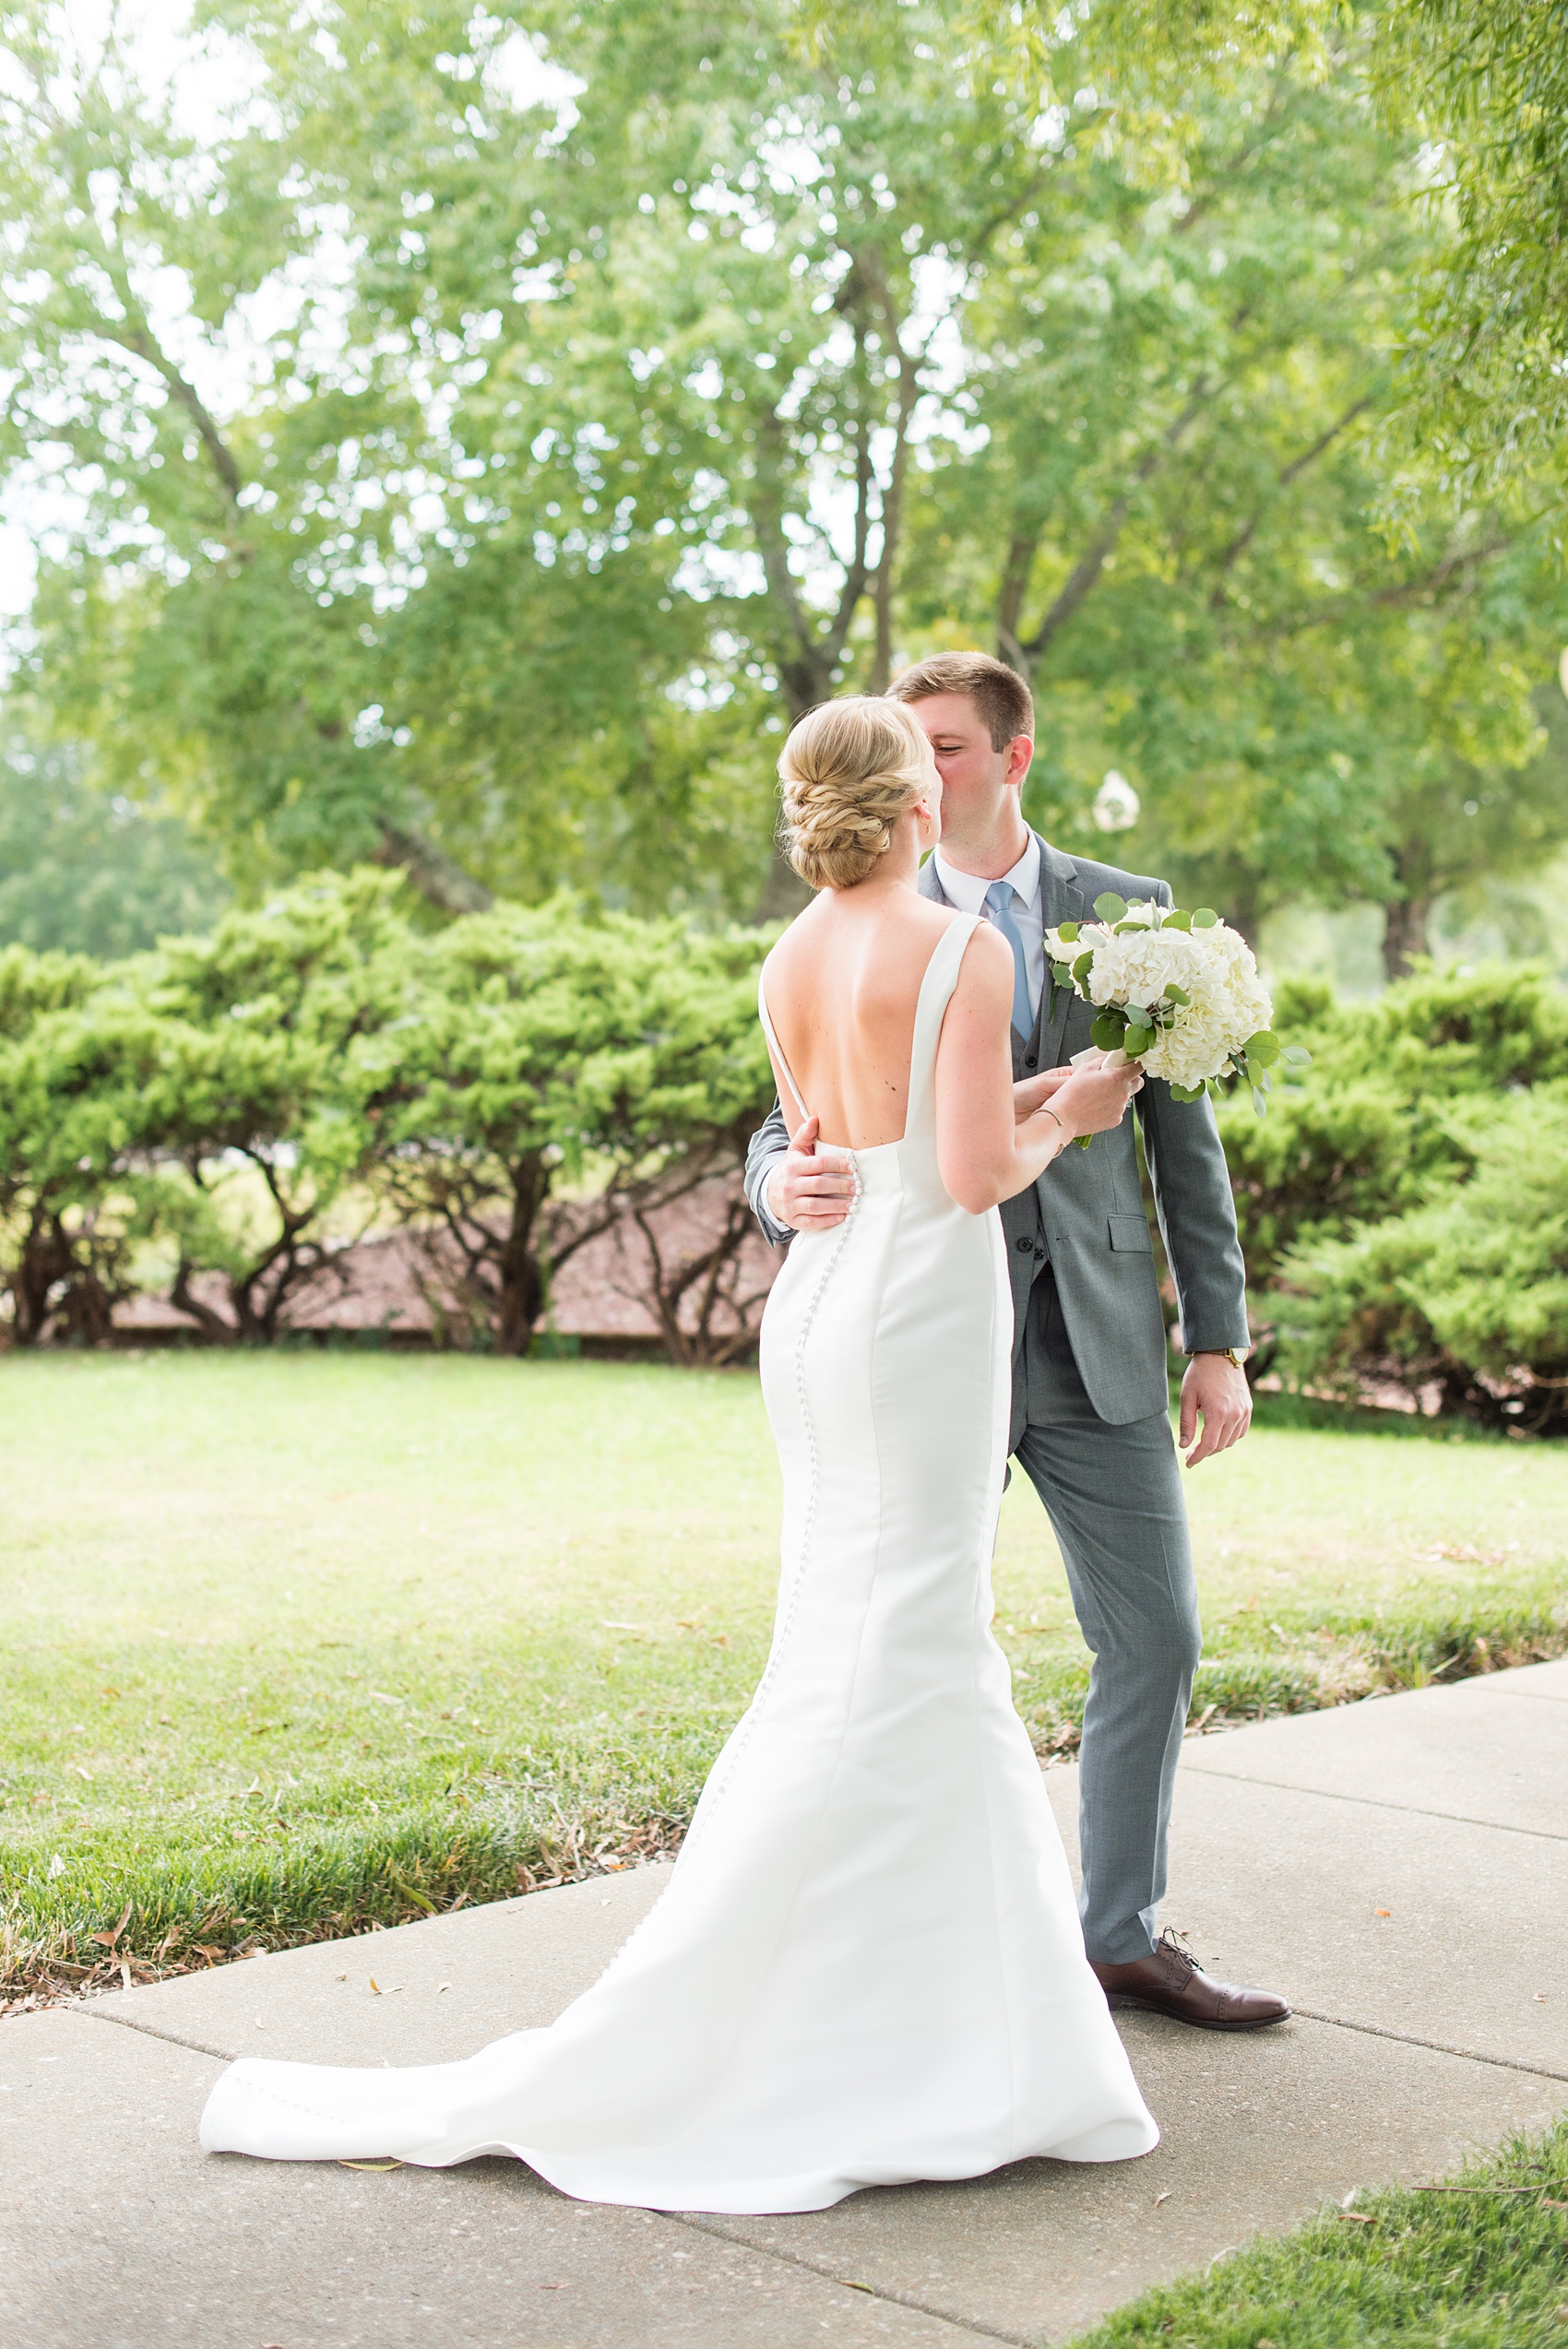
867,1967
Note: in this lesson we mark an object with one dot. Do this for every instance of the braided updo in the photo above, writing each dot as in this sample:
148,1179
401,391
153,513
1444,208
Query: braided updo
848,771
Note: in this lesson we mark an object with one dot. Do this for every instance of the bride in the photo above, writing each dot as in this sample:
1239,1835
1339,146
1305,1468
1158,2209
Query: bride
867,1967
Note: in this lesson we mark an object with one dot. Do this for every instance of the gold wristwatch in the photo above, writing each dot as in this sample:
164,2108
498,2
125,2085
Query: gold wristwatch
1237,1354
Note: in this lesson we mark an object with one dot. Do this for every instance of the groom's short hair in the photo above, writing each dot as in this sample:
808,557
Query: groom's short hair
997,691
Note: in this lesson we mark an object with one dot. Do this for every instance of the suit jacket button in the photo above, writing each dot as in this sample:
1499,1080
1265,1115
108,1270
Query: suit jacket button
1024,1247
1028,1060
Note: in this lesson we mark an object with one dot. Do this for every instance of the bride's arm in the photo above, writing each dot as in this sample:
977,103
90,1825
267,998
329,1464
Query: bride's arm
985,1153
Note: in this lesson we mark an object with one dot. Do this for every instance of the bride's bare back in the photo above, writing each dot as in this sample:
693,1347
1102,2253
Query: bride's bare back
862,798
842,986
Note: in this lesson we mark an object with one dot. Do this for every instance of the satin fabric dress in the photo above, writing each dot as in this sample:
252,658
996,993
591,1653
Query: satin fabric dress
867,1967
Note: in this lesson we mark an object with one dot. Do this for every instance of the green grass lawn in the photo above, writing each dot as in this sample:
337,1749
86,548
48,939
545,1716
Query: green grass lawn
1480,2261
297,1643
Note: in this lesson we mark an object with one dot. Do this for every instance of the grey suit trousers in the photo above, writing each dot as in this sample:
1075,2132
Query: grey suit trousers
1113,1496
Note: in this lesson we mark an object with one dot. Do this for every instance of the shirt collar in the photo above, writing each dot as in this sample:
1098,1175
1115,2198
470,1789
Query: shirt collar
966,890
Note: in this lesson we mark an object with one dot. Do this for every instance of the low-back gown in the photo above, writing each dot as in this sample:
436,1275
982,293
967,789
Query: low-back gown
867,1967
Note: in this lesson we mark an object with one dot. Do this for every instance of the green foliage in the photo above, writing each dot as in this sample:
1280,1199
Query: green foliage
590,440
1469,1292
88,874
1373,1127
1486,81
544,1047
1403,1215
237,1102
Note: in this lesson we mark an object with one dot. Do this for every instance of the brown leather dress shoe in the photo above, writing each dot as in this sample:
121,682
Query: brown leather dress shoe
1171,1981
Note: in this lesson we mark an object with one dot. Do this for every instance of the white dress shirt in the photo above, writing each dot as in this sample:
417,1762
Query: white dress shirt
967,890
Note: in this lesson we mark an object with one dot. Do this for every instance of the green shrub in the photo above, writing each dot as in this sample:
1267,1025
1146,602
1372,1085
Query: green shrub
1468,1291
229,1097
1362,1138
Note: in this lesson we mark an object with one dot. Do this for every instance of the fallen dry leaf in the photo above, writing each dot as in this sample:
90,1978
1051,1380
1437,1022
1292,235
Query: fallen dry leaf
1362,2218
1163,2197
343,2164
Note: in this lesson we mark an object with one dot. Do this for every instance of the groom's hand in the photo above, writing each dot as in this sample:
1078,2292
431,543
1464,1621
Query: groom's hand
811,1188
1215,1389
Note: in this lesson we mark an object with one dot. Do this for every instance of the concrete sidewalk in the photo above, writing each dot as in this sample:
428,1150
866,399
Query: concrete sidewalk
1396,1868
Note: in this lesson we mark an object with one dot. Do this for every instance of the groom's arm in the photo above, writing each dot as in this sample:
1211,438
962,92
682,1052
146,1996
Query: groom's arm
1197,1218
811,1185
1197,1208
768,1148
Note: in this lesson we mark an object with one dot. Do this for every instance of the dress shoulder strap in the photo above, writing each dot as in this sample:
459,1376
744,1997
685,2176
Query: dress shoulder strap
930,1008
773,1045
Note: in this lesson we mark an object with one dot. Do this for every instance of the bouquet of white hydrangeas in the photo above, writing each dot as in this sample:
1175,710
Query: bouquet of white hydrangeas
1179,993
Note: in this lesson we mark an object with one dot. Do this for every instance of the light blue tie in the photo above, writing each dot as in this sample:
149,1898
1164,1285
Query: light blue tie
999,897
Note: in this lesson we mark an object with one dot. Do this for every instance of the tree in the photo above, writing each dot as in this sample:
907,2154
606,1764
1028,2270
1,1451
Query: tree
244,1109
557,1073
1485,82
88,874
65,1088
1167,511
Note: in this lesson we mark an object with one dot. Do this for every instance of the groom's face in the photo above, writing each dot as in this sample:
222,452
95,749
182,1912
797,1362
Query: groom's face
980,784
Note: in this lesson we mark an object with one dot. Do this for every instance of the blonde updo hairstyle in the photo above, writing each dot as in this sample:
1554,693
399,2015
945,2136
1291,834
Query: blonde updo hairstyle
848,771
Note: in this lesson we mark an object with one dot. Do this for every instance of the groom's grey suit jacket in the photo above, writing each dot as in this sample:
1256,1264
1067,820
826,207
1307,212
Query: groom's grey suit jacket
1085,1213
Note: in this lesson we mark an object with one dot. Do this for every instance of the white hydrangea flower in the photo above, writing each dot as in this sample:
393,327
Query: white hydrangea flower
1227,1002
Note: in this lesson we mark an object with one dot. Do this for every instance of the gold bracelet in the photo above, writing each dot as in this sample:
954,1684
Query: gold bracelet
1045,1110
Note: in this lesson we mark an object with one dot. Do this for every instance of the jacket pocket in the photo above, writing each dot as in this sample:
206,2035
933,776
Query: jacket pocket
1129,1235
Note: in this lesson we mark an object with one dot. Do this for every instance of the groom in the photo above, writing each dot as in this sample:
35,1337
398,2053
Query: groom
1089,1426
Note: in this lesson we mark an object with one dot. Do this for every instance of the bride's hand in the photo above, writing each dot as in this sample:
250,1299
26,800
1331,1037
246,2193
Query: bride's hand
1031,1091
1094,1100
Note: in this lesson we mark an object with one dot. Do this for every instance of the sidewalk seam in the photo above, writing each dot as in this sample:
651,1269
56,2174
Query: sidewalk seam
974,2325
1438,2047
1371,1802
150,2031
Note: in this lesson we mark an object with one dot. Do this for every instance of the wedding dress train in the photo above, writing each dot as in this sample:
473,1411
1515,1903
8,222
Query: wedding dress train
867,1967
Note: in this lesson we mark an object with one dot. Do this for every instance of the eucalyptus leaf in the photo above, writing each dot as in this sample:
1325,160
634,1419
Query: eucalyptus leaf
1259,1102
1082,967
1263,1047
1205,918
1296,1056
1110,906
1186,1093
1177,919
1066,931
1174,994
1109,1028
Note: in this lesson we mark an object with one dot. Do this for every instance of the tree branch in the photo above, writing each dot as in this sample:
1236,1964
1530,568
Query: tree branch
433,872
138,339
1458,559
1244,536
1085,574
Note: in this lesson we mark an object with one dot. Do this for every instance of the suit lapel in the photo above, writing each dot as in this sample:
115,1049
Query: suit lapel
1061,899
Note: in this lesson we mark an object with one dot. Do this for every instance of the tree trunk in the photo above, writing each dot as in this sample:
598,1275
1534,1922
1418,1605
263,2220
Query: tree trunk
206,1317
1404,935
519,1277
444,883
45,1260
